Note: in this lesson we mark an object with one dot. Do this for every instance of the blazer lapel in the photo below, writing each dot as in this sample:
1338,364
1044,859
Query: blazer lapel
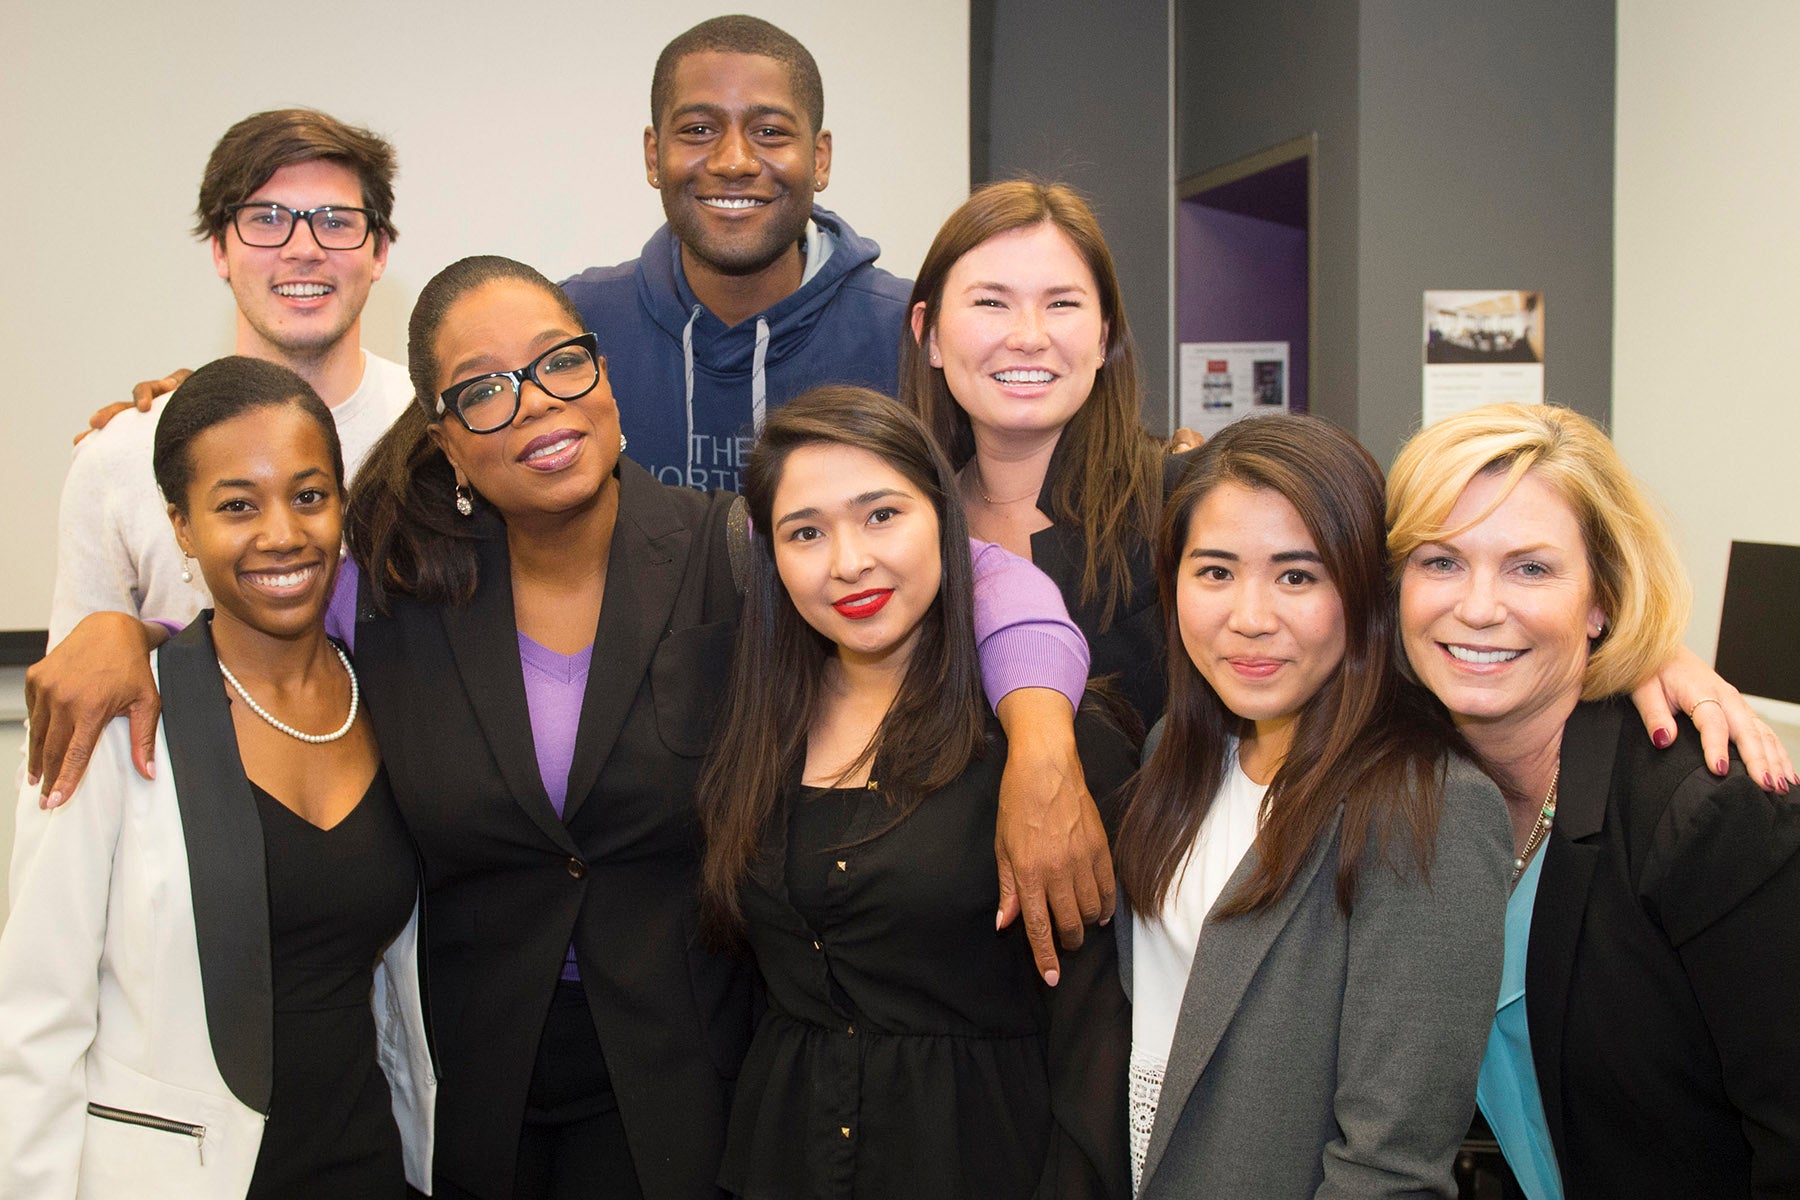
1224,963
1590,741
484,640
643,575
226,865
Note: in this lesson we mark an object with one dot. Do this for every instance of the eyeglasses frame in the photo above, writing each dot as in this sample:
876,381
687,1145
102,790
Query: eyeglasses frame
446,401
376,225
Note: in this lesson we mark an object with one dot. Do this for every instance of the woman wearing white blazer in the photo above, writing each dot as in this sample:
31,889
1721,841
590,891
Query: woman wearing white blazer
209,983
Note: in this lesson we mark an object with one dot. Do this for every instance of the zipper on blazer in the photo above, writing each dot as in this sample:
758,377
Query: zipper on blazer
147,1121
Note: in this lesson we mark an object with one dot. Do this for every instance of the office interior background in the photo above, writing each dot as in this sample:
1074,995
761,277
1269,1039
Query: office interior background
1635,162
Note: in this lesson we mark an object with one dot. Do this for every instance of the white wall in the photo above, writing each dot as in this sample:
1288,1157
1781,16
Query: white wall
1706,392
519,129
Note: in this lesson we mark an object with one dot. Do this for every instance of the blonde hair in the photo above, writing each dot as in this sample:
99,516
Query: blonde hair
1638,580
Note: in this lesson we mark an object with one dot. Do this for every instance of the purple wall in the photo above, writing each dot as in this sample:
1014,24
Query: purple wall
1239,279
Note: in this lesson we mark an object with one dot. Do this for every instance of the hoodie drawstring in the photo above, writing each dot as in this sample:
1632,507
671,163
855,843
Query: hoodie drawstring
759,386
687,355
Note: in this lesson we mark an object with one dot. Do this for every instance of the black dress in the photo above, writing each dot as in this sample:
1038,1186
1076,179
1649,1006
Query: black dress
908,1050
337,897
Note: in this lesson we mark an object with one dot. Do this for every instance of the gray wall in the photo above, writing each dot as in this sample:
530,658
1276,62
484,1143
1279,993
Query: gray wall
1078,92
1486,161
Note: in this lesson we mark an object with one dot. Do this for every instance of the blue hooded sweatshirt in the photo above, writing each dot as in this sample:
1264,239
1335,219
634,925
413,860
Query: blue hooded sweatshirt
692,391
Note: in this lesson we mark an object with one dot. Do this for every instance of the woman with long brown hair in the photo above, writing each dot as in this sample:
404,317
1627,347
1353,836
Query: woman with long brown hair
907,1049
1023,367
1314,878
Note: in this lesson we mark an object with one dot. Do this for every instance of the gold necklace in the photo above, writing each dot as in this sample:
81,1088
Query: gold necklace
981,486
1540,829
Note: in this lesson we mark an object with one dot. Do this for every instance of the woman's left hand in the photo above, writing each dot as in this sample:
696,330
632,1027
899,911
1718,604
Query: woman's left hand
1723,718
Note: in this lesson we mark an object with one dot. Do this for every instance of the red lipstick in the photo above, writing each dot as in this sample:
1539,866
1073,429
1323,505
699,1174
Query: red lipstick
862,605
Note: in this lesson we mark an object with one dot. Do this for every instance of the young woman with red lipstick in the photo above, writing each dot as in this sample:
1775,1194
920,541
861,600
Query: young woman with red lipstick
1314,879
186,978
907,1049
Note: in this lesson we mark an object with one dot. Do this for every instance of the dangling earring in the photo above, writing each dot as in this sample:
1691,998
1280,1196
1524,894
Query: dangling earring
187,568
465,503
621,443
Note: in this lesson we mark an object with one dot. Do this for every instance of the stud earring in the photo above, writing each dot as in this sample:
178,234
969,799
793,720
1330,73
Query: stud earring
187,569
621,443
656,181
465,502
936,361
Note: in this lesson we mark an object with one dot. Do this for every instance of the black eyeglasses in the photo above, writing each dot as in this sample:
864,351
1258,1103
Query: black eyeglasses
568,371
269,225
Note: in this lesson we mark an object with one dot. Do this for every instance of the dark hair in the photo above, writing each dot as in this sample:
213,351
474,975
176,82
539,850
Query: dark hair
739,34
1364,739
402,524
937,723
260,145
1106,472
221,390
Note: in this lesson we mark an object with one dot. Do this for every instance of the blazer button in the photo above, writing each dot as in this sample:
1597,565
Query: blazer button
577,869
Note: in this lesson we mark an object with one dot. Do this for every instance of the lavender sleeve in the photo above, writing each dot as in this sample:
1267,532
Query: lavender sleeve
1022,628
340,611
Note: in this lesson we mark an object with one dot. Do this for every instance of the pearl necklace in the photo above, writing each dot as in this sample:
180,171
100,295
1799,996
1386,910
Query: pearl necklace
314,739
1540,829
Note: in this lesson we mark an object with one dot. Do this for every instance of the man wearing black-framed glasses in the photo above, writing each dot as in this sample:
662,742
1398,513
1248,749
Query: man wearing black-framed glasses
297,208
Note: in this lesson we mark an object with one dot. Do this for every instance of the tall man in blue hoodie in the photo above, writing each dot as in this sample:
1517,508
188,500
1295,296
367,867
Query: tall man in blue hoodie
750,294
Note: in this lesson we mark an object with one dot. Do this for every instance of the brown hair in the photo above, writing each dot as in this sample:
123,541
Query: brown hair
936,725
739,34
402,524
1638,580
1364,740
1106,473
263,143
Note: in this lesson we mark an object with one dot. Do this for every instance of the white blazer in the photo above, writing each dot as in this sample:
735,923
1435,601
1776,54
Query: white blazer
122,1015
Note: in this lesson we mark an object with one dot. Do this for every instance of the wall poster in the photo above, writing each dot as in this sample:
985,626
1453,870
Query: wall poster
1224,381
1482,348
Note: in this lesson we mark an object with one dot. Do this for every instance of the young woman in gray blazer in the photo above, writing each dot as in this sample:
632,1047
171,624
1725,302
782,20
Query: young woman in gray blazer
1315,879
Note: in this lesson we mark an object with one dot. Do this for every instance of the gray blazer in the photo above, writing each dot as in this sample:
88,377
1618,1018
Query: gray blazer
1332,1056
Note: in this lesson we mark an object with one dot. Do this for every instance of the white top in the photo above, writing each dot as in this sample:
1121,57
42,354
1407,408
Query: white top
1162,949
115,550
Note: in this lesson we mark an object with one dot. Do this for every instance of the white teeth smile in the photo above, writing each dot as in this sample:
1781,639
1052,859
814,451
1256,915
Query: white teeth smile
1023,376
731,201
289,580
556,447
1464,654
302,291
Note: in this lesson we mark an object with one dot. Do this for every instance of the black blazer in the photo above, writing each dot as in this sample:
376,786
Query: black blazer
1130,648
509,885
1663,970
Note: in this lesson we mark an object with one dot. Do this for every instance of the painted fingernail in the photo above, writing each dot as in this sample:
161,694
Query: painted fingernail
1768,782
1661,738
32,779
53,800
1720,767
998,917
1050,977
150,767
1106,920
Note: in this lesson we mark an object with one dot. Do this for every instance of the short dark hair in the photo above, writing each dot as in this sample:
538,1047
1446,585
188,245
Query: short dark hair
263,143
739,34
220,391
